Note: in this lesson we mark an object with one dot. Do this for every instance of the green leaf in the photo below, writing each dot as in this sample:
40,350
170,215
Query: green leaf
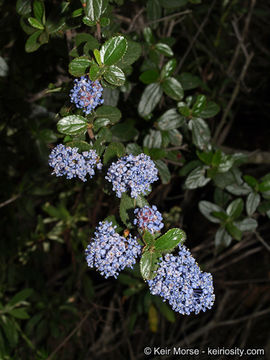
200,133
109,112
234,231
95,8
127,206
10,331
39,11
32,43
170,240
153,9
35,23
114,75
171,119
97,56
207,208
81,145
88,22
253,201
113,50
264,186
149,76
235,208
170,4
221,215
79,66
148,264
189,81
23,7
72,125
132,54
247,224
197,178
124,131
237,190
173,88
168,69
150,98
199,105
148,35
104,21
210,110
222,239
91,42
164,171
3,67
164,309
114,150
175,137
148,238
164,49
20,296
133,149
19,313
95,72
250,180
153,139
100,123
205,157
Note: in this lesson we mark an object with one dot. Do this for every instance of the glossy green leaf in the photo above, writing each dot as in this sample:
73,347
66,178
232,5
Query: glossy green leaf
100,123
170,240
149,76
35,23
148,35
110,112
153,9
237,190
171,119
247,224
205,157
149,99
210,110
104,21
19,313
164,49
23,7
148,264
95,8
234,231
153,139
197,178
235,208
10,331
189,81
132,54
88,21
32,43
168,69
222,239
148,238
175,137
124,131
3,67
253,201
264,186
173,88
20,296
94,72
127,206
199,105
39,10
200,133
113,50
79,66
114,150
80,144
72,125
207,208
133,149
114,75
164,171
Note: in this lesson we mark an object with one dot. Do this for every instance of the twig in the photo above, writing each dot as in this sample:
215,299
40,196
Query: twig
169,17
258,236
131,26
9,201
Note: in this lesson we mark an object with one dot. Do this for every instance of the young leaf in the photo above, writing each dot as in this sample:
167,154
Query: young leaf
35,23
114,75
253,201
173,88
113,50
170,240
72,125
150,98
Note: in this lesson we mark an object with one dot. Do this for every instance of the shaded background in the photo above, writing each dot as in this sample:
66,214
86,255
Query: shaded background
46,222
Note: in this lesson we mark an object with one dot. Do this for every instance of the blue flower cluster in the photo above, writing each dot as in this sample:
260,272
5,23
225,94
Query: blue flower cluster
66,161
148,218
180,281
134,173
86,94
109,252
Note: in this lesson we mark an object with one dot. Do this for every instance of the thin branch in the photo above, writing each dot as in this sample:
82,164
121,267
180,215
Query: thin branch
258,236
9,201
169,17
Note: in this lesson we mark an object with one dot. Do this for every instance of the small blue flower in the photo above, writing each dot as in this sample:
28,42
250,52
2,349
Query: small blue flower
148,218
180,281
132,173
109,252
86,94
66,161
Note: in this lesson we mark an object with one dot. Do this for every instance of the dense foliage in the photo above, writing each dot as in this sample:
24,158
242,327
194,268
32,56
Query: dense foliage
132,123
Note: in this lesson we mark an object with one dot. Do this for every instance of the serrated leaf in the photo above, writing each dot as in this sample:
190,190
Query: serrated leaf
164,171
253,201
112,151
79,66
148,264
149,99
35,23
222,239
171,119
32,43
72,125
109,112
173,88
207,208
235,208
113,50
170,240
197,178
200,133
164,49
114,75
